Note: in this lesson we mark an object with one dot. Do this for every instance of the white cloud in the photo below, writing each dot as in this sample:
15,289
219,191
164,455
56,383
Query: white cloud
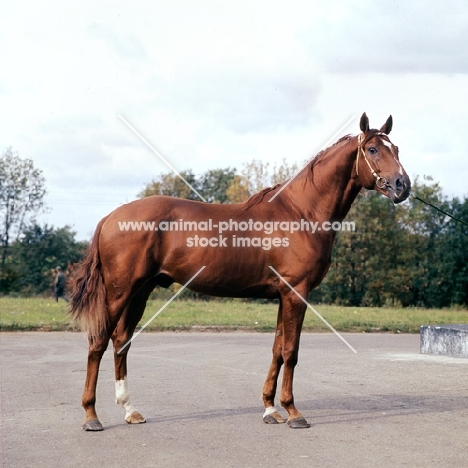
393,37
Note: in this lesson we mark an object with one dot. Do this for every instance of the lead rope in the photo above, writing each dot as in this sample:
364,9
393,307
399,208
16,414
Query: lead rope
360,150
440,210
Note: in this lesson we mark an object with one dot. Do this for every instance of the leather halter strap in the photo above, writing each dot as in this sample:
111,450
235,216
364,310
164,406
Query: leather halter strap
380,181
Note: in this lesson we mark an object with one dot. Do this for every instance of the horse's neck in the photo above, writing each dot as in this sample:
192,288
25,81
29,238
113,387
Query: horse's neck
325,191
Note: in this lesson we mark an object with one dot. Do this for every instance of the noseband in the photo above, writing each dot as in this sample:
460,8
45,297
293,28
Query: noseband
380,182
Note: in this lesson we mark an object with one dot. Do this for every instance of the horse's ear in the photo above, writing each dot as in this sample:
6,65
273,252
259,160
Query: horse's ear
364,124
387,126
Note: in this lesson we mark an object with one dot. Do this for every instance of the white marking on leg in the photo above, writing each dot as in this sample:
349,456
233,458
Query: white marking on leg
122,397
269,410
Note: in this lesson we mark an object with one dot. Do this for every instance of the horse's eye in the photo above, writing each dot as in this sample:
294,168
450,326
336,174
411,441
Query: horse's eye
372,150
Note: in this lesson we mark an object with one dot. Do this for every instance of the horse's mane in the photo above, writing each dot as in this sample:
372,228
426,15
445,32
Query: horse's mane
320,155
367,136
258,197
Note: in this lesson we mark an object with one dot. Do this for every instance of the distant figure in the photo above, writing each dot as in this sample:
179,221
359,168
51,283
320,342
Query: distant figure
59,285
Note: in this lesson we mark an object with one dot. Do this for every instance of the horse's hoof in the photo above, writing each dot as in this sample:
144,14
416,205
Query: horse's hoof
92,425
273,418
135,418
298,423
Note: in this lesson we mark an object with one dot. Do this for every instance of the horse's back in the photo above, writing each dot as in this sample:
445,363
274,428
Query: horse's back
174,237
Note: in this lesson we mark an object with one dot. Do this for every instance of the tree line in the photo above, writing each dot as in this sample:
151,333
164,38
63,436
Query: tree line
398,255
29,252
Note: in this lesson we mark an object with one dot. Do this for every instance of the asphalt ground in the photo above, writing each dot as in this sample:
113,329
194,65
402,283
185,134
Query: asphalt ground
385,406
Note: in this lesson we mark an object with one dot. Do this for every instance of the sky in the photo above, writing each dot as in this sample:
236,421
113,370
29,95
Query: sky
216,84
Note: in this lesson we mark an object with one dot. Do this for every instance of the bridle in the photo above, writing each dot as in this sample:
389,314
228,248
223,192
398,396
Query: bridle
380,182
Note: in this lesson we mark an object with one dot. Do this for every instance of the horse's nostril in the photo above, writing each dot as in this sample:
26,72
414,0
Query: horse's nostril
399,185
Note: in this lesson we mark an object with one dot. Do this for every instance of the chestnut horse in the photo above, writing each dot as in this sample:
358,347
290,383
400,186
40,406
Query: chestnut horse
124,265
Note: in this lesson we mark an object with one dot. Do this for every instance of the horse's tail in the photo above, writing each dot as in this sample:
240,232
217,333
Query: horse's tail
88,301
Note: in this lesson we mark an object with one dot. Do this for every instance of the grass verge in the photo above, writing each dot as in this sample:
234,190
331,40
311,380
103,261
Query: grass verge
46,314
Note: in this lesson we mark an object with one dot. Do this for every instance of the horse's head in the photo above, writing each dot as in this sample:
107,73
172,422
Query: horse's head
377,163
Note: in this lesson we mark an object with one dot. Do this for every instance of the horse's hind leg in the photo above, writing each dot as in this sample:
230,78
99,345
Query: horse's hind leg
120,338
97,347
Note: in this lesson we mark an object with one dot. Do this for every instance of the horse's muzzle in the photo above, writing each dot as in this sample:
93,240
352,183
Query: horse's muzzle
399,189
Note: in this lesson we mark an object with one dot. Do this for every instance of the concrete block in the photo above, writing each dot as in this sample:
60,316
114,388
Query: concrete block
445,340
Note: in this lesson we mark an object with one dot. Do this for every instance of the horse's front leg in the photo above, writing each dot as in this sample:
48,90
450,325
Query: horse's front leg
271,415
293,312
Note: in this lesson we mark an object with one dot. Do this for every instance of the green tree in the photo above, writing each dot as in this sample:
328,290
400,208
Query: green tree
443,263
238,190
172,185
212,185
215,183
455,245
221,185
408,254
256,176
426,264
365,262
22,189
40,250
